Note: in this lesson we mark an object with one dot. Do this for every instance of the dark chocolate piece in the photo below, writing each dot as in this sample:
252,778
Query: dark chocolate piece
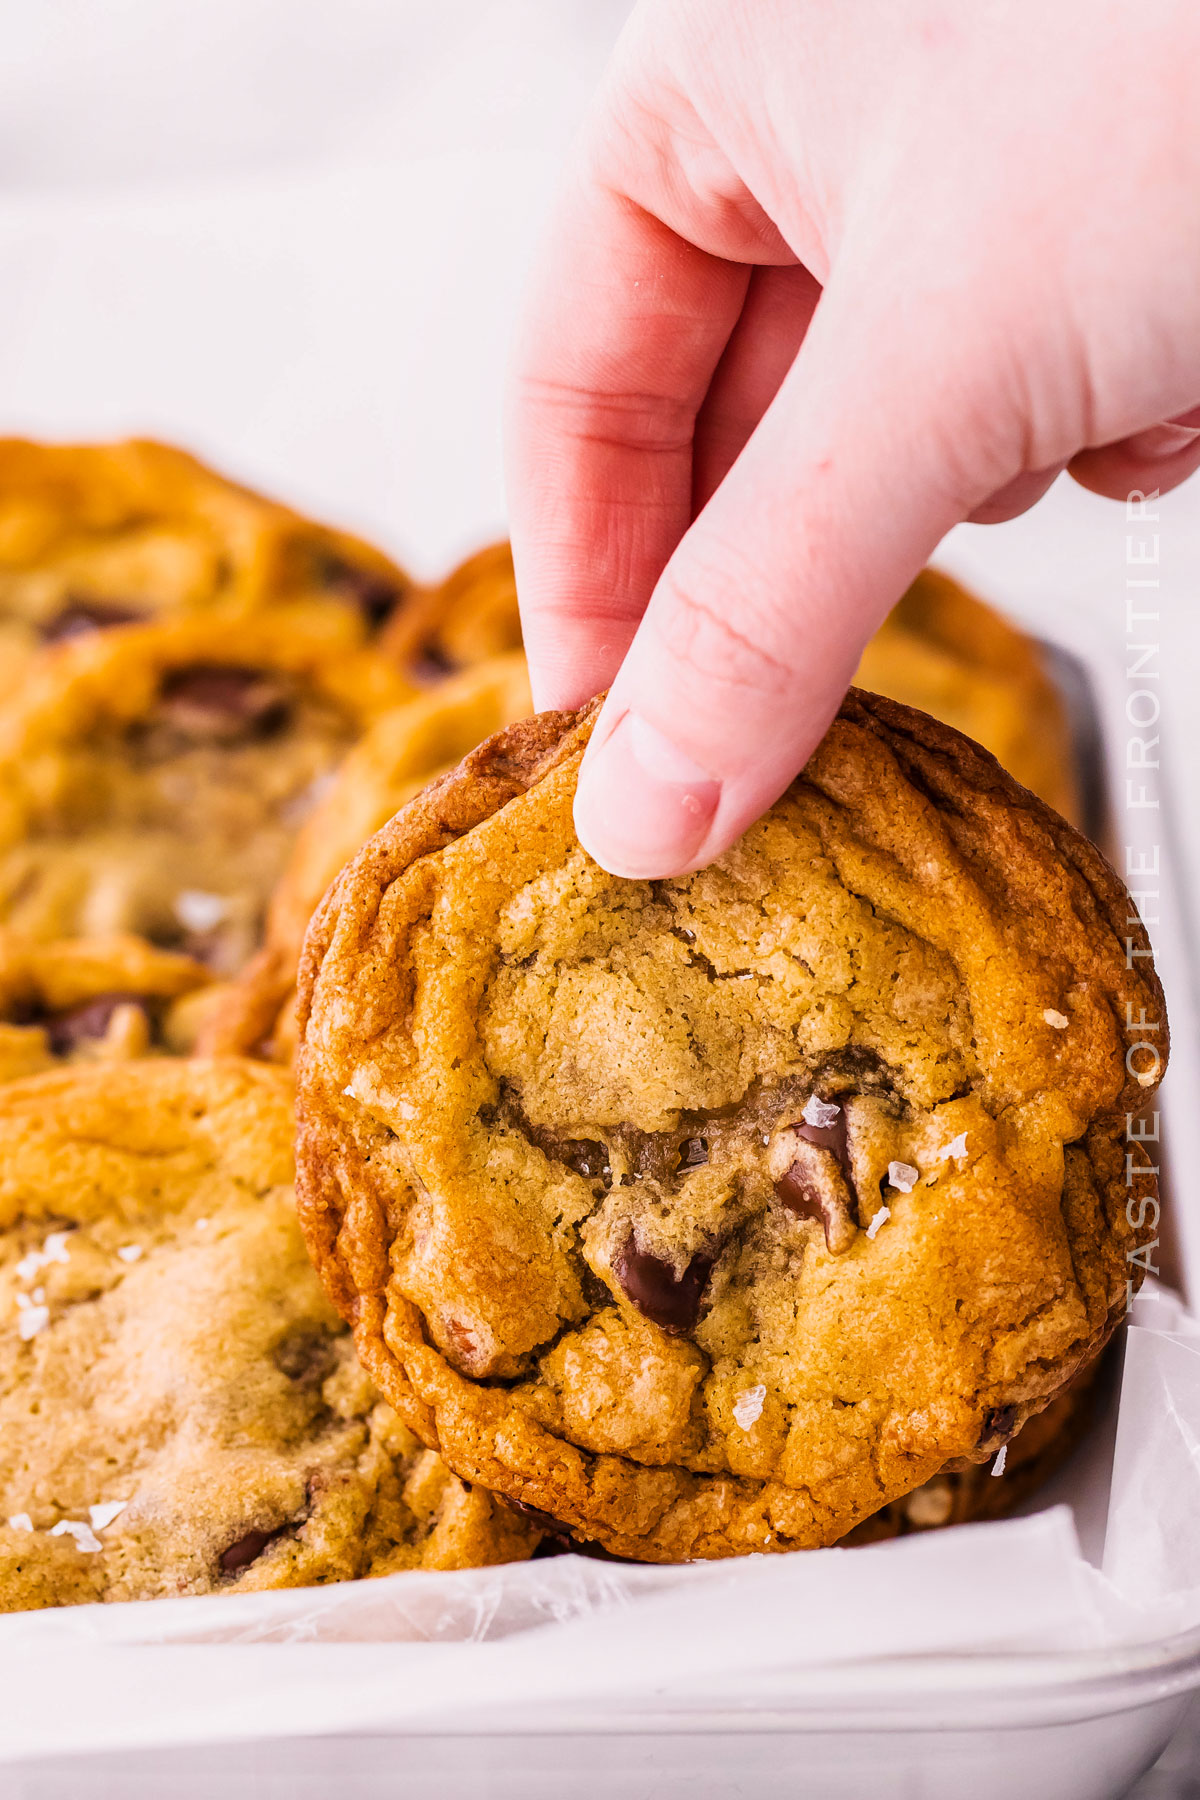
668,1300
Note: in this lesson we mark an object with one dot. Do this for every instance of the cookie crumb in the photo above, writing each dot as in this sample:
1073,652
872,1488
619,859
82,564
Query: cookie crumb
20,1522
103,1514
881,1218
1059,1020
130,1252
81,1531
821,1113
198,911
903,1177
747,1408
1002,1458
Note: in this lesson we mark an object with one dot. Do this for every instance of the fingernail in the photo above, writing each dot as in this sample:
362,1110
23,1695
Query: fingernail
643,808
1161,442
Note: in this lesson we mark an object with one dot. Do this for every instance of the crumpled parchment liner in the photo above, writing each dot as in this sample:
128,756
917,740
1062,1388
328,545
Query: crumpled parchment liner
450,1648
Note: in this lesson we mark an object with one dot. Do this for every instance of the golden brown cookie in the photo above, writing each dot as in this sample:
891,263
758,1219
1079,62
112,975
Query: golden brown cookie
946,653
711,1215
89,999
152,780
403,750
181,1411
94,536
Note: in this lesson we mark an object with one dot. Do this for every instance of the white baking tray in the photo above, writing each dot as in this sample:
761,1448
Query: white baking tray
1066,1724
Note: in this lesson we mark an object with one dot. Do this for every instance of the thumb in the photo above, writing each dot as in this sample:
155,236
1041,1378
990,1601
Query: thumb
756,625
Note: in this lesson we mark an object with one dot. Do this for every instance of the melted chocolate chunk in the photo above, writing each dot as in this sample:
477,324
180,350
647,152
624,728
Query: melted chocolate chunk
375,596
693,1154
1000,1422
802,1196
668,1300
829,1137
246,1550
224,702
86,1023
79,618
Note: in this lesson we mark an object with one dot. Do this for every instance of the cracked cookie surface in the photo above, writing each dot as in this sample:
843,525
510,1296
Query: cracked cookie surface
181,1411
711,1215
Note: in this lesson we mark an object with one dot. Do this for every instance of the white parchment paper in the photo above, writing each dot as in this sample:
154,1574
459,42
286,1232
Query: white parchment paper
450,1649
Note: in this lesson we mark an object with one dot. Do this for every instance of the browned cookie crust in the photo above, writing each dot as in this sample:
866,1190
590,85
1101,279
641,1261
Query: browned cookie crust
710,1215
181,1411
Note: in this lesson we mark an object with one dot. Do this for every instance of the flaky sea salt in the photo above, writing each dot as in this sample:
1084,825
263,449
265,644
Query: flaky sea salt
103,1514
198,911
201,1224
1059,1020
31,1318
821,1113
80,1530
54,1250
747,1408
956,1148
20,1522
998,1465
881,1218
903,1177
130,1252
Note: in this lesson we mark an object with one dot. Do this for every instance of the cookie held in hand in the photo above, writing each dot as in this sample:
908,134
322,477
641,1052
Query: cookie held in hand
711,1215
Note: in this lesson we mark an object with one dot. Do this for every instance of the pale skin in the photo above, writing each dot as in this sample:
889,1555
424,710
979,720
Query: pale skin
826,278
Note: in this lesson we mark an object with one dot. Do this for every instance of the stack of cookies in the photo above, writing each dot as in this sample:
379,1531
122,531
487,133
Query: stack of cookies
777,1206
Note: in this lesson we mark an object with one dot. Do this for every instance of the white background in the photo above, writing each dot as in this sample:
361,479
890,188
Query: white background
292,234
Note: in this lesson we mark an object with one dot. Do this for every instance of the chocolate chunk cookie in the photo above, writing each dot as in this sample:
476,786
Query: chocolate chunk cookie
152,780
89,999
712,1215
94,536
181,1411
946,653
402,751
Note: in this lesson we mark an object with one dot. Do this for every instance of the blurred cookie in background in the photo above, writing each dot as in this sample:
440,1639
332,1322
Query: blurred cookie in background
471,616
90,999
97,536
181,1411
950,655
152,780
404,750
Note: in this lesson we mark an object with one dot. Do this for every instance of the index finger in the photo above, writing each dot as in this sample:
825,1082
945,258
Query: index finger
625,324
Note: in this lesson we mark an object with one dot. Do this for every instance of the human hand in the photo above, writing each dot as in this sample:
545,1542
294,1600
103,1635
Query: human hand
718,486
